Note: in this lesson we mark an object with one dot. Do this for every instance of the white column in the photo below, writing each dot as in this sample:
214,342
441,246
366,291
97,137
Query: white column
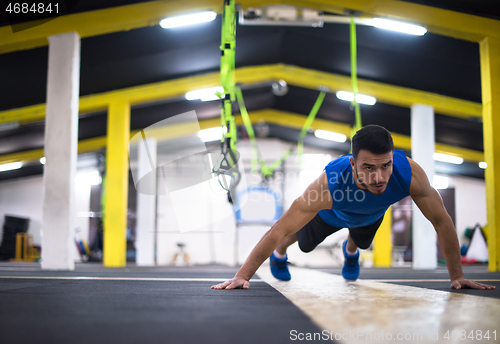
61,144
422,150
146,203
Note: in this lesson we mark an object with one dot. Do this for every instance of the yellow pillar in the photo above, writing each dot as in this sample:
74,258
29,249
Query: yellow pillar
382,243
116,198
490,84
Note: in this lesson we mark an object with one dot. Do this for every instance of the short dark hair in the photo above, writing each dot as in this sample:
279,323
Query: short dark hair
373,138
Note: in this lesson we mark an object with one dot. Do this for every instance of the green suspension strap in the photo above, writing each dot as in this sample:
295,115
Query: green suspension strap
248,127
227,64
268,171
226,169
354,79
230,156
308,123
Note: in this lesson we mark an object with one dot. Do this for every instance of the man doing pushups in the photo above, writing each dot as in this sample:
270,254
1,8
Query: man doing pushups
354,191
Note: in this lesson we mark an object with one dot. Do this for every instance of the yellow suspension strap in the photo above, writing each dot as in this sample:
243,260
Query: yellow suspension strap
354,79
226,169
266,171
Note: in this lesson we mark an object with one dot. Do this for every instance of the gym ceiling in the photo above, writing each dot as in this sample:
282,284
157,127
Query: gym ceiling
396,67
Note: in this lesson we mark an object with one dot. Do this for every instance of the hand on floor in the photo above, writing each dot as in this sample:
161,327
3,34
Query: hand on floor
460,283
234,283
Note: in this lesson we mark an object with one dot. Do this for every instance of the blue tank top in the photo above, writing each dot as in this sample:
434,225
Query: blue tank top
353,207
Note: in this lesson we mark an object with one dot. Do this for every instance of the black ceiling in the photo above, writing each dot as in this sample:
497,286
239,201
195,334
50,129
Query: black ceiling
483,8
430,63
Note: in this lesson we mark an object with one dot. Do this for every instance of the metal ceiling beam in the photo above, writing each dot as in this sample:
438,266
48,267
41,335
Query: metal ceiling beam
435,20
124,18
384,93
296,121
84,146
271,116
109,20
297,76
100,22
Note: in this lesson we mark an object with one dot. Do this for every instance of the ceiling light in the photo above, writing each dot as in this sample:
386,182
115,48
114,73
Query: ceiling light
360,98
205,94
211,134
11,166
43,160
9,126
483,165
393,25
440,182
329,135
188,19
364,99
448,158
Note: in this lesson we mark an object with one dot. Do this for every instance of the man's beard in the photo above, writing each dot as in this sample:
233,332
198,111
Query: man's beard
363,184
359,180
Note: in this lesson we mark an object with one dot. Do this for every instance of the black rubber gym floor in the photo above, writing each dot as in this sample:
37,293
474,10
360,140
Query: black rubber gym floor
167,305
34,309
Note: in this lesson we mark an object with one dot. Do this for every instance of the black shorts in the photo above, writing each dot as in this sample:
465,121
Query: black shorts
312,234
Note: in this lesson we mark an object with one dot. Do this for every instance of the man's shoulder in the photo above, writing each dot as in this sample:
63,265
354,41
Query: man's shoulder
402,173
339,163
419,179
401,161
400,156
339,173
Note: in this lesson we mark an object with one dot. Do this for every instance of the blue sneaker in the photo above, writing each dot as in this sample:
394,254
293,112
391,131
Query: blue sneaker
350,270
279,267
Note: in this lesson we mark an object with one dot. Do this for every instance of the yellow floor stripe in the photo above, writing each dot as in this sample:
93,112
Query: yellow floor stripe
161,279
369,311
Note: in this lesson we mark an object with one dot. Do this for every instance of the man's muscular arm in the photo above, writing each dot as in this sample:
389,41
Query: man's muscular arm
430,203
303,209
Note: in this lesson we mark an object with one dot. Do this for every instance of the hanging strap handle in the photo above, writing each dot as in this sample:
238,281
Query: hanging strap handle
229,158
266,170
